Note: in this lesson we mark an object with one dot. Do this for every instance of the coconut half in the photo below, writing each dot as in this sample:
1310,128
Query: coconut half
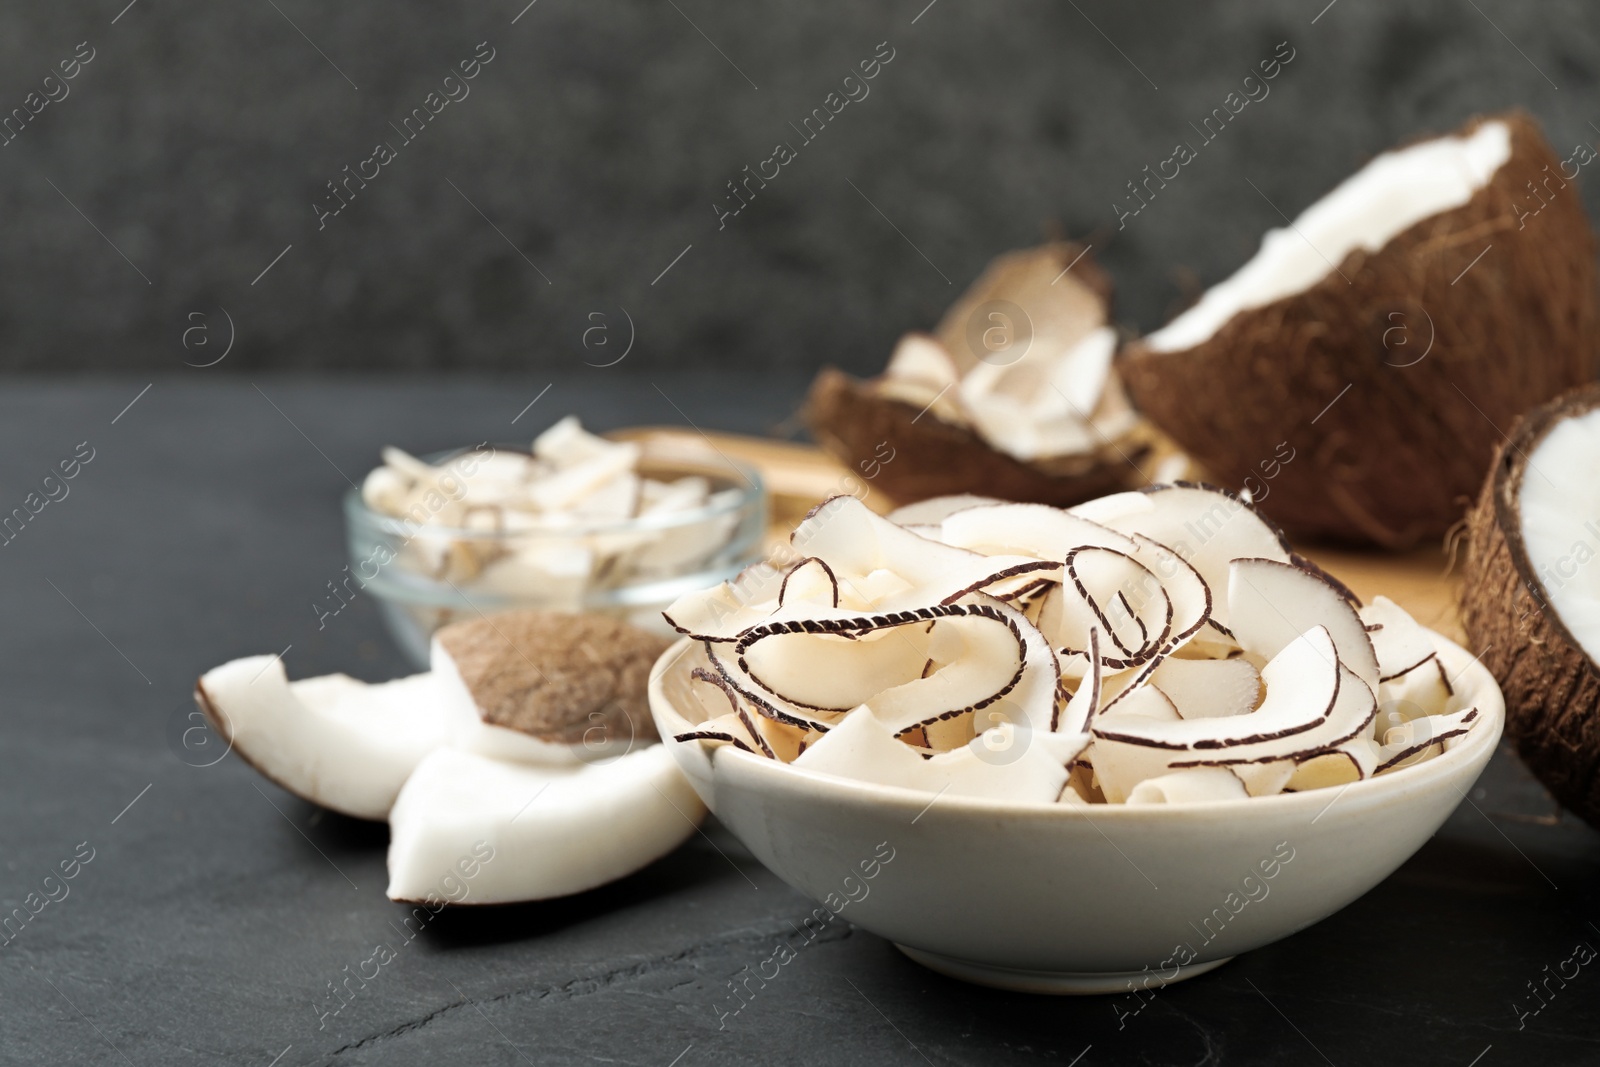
515,704
1368,342
1013,396
1530,593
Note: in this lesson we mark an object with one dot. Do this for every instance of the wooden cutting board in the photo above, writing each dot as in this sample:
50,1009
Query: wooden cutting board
798,476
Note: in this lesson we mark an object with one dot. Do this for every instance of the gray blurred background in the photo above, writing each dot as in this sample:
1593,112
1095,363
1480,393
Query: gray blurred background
573,189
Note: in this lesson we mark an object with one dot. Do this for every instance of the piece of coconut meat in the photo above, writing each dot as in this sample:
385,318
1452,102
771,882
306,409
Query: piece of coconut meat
454,757
334,741
553,830
1559,505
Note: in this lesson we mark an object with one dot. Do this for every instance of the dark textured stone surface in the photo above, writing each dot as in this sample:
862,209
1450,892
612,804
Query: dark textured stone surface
217,908
601,134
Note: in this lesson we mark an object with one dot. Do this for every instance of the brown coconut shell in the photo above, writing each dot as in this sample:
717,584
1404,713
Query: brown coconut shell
933,457
1396,460
1552,688
570,679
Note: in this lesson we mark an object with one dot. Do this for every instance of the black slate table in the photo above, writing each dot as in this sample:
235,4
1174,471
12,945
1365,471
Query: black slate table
216,910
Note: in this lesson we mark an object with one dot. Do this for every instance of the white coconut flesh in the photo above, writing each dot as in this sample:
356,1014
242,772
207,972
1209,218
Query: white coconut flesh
936,509
1041,407
1313,704
335,741
1145,704
1271,604
911,672
872,566
1206,527
1058,398
1558,506
1002,763
1395,191
1110,664
859,544
1142,598
1400,645
1208,688
553,830
1199,784
1106,510
560,496
419,753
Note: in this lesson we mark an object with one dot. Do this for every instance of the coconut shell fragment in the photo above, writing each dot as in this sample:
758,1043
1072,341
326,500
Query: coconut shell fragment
568,679
1390,377
1042,419
1510,607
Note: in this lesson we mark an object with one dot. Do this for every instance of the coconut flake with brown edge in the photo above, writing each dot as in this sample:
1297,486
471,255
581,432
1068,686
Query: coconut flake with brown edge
1530,593
1013,396
1382,339
1096,680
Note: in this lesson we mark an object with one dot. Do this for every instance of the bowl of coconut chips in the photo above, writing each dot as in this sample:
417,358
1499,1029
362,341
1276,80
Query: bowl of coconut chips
1106,746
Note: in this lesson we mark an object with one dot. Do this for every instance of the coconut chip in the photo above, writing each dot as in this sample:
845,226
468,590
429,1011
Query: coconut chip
554,495
1022,652
1014,393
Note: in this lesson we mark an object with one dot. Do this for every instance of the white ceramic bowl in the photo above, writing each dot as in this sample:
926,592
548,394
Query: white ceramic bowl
1057,899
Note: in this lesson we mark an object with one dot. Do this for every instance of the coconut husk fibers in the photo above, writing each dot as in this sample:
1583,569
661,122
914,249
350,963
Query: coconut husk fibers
1551,687
934,457
570,679
1397,459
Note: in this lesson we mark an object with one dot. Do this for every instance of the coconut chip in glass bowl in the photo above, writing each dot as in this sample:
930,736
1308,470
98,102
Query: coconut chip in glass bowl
1159,646
571,481
576,523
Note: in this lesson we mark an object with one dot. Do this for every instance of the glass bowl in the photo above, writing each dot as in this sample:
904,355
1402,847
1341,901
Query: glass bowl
424,576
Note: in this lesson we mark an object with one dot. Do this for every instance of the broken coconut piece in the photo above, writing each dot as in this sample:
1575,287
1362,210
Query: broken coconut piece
516,703
1013,396
1103,677
1530,593
337,742
1368,339
552,830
